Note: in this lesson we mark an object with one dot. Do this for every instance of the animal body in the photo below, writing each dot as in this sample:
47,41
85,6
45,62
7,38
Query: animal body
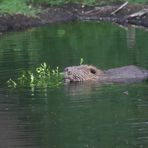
125,74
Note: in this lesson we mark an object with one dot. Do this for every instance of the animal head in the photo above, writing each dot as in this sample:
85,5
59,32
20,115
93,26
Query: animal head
81,73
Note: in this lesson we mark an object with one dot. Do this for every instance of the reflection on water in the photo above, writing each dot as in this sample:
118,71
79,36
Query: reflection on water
131,37
81,115
81,88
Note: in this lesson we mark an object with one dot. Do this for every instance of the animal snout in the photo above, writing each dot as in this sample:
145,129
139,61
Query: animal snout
67,70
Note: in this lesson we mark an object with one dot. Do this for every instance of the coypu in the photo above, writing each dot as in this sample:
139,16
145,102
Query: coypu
125,74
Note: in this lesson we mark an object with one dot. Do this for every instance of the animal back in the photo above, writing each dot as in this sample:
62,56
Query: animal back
129,73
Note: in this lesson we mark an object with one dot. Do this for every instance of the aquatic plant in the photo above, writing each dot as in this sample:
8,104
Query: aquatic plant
43,77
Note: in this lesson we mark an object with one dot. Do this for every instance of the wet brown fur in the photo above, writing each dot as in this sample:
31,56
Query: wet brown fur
82,73
123,74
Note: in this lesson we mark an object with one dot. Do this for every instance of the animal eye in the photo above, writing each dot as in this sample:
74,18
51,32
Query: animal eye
66,69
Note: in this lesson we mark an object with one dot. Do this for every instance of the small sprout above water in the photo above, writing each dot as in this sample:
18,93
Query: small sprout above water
11,83
81,61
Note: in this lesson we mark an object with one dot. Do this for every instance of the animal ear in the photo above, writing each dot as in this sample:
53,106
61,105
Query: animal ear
93,70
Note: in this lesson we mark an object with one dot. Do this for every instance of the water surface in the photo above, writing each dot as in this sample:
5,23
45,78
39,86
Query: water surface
78,115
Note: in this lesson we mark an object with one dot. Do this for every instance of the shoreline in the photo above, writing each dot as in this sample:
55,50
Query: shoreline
134,14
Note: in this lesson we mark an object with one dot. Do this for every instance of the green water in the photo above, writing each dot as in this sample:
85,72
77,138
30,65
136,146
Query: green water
78,115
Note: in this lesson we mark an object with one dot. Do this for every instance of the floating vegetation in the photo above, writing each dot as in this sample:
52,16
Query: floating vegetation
43,77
